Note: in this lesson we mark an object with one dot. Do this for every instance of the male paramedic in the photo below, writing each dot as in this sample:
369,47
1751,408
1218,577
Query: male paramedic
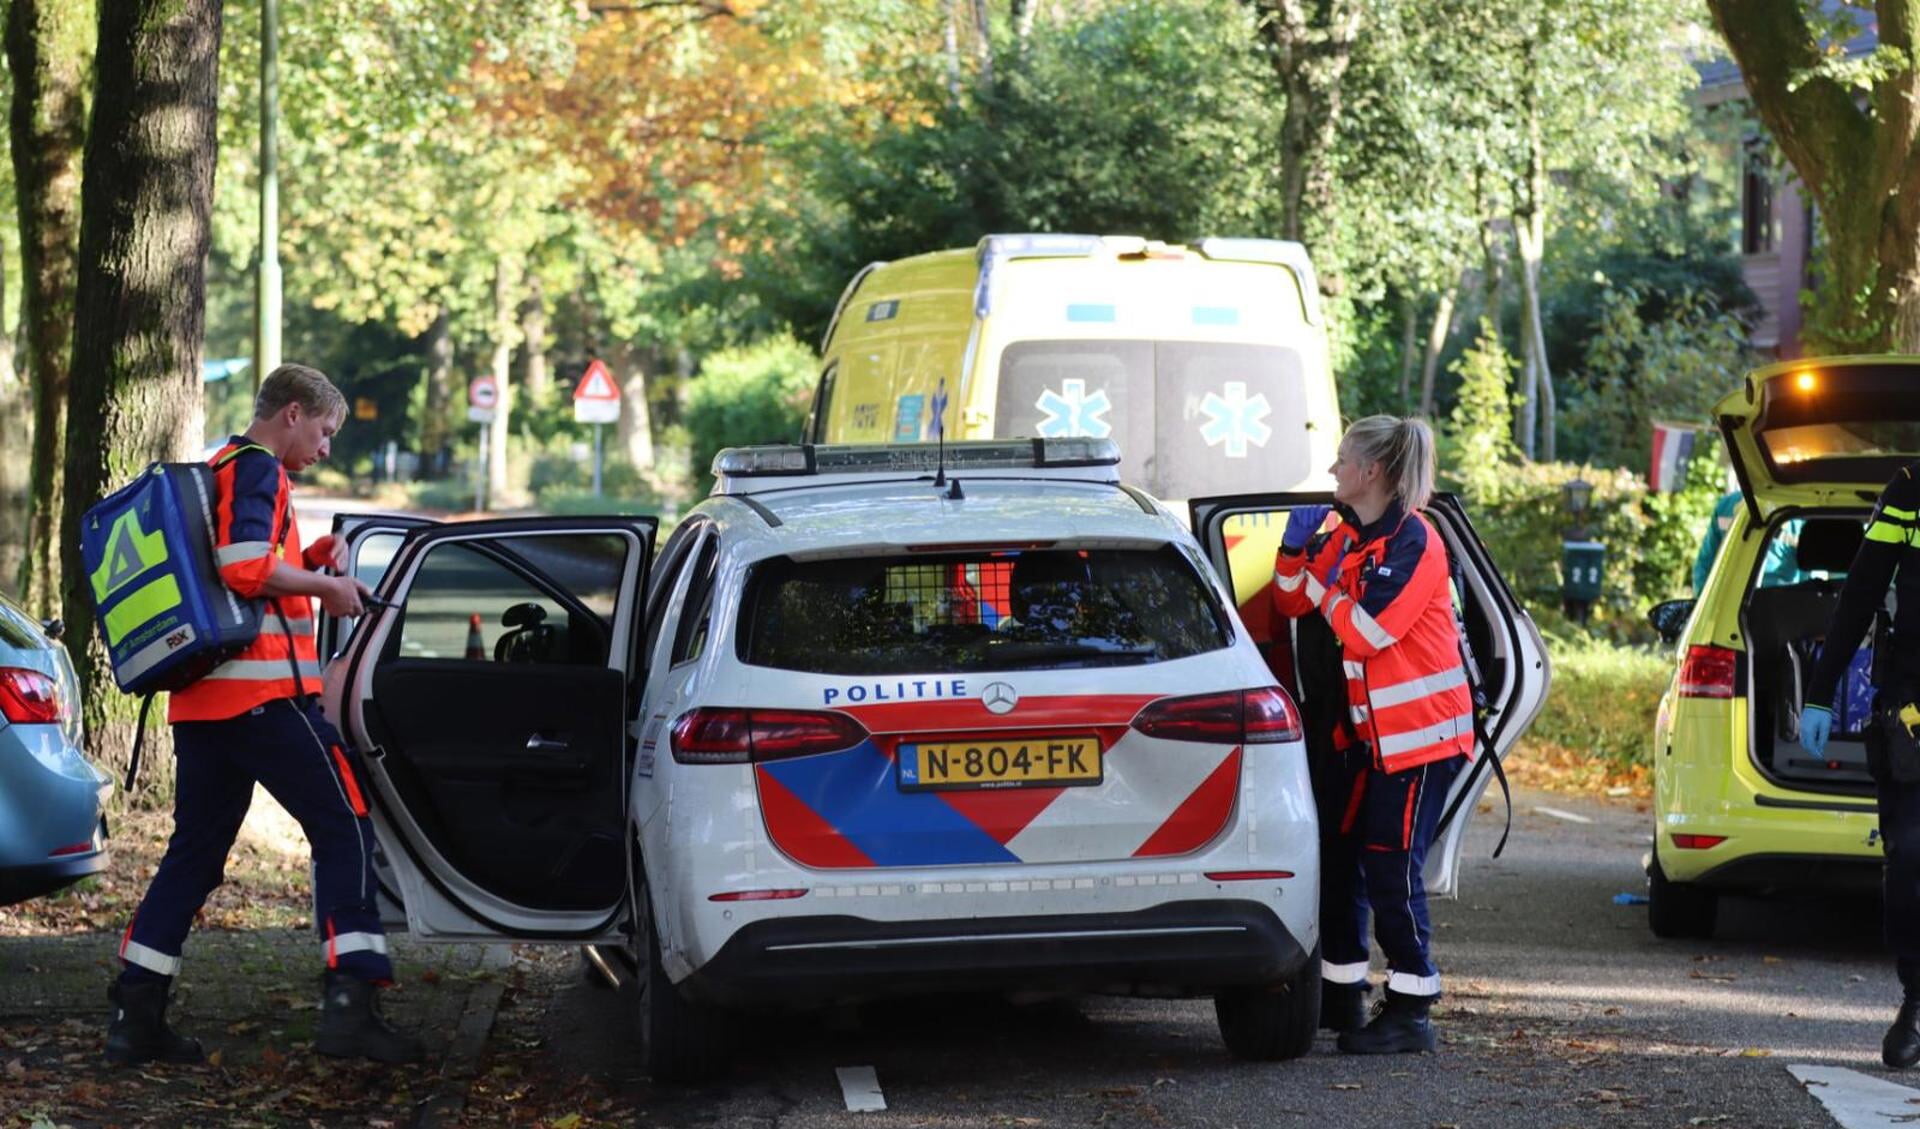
1889,554
255,718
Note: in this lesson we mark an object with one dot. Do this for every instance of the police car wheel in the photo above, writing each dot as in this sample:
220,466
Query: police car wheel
681,1041
1679,910
1269,1022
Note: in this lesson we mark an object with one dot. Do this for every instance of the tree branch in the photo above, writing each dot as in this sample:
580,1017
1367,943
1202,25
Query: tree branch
1817,123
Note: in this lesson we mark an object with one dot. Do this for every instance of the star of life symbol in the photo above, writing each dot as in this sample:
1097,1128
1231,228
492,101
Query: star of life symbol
1235,420
1072,412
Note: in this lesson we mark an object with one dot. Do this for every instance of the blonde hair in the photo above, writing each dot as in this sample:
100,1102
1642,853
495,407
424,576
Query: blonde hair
298,384
1403,446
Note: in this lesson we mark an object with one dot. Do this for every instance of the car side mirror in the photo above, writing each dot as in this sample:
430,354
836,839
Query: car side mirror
55,627
1669,618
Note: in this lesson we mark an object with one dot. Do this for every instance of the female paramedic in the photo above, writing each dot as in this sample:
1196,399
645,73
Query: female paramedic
1372,572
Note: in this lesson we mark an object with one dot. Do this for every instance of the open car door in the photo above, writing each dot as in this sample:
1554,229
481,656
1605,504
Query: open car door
372,540
490,706
1828,431
1241,535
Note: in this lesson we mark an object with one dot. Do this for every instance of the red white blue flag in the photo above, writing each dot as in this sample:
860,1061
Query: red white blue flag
1672,447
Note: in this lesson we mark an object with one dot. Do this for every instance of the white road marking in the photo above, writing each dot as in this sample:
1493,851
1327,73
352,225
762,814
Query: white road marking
1566,815
1859,1101
861,1087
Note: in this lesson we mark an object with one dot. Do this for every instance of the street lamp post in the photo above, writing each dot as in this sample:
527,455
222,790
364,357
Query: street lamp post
1582,560
266,330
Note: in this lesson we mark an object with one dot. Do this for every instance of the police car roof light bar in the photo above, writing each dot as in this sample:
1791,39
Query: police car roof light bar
913,458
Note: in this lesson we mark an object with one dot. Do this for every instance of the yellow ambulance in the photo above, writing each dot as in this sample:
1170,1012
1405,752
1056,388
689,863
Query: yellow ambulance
1208,363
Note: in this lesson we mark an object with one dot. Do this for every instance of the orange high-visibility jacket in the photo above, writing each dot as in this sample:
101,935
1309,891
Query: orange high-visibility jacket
253,512
1385,590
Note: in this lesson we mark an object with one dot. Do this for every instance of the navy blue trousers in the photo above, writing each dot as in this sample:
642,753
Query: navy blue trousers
1375,828
297,755
1900,832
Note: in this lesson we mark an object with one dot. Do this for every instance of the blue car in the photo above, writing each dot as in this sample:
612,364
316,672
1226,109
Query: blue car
52,832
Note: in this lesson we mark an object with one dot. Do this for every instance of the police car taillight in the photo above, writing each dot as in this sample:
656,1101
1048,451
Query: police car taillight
1708,672
1261,716
1270,716
733,736
28,697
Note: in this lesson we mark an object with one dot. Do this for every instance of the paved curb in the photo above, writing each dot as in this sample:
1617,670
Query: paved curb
461,1063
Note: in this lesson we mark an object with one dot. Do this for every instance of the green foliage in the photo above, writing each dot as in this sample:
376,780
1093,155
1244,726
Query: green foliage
1147,119
1520,513
1639,370
752,394
1603,701
449,495
1478,438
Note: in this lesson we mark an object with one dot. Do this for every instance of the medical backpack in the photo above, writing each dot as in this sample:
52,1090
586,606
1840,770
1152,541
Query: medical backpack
163,610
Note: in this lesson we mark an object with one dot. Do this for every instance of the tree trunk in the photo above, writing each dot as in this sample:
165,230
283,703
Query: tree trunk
533,331
952,48
1530,235
983,41
16,474
140,308
434,424
50,52
1858,157
634,432
1437,336
1409,347
502,368
1309,52
1535,342
1023,13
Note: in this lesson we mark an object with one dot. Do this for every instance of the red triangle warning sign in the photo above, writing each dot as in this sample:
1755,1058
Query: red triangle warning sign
597,384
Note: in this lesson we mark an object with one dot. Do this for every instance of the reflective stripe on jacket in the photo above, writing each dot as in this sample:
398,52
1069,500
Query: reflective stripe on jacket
1385,592
253,512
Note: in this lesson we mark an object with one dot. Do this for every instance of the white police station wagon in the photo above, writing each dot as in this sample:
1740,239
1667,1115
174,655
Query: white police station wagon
864,726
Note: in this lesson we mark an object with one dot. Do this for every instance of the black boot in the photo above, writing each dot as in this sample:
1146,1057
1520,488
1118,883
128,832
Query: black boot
351,1025
1343,1007
138,1031
1402,1027
1901,1049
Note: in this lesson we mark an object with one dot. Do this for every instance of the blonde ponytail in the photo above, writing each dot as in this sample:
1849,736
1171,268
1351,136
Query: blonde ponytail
1404,448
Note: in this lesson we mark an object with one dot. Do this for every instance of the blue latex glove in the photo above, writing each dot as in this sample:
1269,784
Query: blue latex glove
1302,524
1816,725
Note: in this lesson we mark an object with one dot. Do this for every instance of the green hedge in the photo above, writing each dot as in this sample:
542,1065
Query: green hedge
1602,703
755,394
1651,538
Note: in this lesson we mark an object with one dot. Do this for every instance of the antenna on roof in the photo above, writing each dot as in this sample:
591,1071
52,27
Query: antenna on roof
940,438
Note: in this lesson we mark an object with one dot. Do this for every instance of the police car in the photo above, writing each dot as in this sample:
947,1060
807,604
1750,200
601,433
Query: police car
874,720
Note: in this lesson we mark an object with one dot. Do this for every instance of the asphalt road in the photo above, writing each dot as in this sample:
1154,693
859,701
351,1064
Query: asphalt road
1561,1009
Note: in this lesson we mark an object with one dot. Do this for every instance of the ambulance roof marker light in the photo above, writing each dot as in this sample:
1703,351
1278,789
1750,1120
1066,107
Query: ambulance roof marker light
1805,380
997,249
1280,252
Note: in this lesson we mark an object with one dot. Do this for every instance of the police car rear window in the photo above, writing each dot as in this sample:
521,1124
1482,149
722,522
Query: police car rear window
1038,609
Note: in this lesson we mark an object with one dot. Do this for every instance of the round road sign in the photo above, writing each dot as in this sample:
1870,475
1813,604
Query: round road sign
483,393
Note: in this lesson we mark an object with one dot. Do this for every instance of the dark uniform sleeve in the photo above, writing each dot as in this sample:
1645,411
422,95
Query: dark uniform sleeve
1894,523
244,541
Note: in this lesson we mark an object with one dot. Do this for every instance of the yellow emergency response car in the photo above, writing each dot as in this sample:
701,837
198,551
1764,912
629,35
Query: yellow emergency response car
1740,805
1207,363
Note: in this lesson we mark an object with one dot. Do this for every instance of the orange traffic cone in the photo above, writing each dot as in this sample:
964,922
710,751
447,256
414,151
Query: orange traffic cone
476,646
